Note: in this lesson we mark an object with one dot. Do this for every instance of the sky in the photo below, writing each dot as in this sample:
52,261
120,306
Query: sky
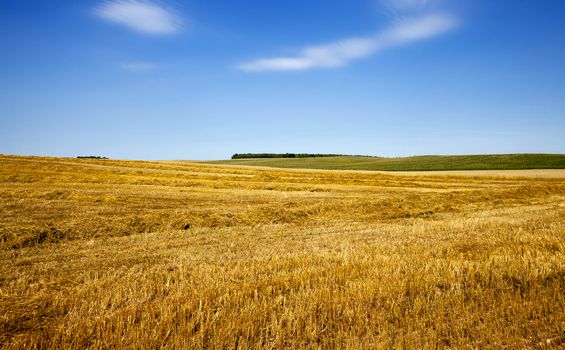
203,79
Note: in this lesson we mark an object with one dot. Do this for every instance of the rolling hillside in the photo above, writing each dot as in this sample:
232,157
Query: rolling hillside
107,254
417,163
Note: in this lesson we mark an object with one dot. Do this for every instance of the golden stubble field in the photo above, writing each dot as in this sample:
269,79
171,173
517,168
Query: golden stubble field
131,254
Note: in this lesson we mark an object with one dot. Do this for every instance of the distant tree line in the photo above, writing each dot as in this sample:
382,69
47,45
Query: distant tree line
91,157
282,155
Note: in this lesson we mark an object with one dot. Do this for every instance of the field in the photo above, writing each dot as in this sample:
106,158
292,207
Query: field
418,163
133,254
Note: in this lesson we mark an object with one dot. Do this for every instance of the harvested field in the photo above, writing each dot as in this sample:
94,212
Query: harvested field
106,254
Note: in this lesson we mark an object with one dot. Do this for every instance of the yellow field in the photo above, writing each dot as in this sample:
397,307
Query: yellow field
124,254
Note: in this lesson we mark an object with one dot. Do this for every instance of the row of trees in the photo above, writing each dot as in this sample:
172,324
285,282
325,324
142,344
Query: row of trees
281,155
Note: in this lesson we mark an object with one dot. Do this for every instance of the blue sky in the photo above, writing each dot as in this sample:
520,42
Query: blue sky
203,79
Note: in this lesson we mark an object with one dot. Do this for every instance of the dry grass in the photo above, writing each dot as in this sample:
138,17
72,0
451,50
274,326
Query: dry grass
110,254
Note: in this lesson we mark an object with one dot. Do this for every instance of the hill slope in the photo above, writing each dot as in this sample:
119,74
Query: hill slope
467,162
100,253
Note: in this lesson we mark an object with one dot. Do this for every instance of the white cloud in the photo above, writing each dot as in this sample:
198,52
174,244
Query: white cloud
137,67
341,52
398,10
409,5
144,16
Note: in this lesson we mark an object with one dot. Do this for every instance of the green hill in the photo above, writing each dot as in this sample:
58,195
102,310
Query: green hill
418,163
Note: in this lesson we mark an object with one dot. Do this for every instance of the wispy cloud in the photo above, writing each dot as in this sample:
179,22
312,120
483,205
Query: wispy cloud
400,9
137,67
341,52
145,16
409,5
